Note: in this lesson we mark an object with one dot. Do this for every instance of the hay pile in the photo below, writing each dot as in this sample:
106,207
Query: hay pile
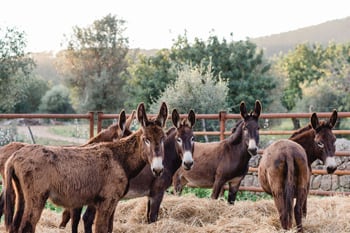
191,214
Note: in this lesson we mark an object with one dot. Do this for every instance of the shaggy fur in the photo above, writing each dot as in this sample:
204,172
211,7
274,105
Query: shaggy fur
179,141
216,163
66,174
113,132
285,167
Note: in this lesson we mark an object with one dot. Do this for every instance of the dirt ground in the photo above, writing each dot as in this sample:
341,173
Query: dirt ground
195,215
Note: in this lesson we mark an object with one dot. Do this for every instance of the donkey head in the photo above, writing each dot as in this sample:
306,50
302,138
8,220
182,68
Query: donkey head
324,140
184,137
153,137
251,127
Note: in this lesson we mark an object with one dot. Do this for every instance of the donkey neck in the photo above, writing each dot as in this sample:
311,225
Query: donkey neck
172,160
129,153
305,138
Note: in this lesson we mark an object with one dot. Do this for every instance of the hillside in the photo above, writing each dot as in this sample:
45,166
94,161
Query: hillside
335,30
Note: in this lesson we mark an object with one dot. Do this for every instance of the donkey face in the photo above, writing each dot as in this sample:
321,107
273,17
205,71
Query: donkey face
324,140
153,137
251,127
184,137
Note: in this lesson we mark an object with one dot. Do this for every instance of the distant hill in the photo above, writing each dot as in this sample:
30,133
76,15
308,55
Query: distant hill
336,31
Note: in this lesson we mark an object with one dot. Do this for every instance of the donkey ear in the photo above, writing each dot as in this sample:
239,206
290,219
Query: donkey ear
122,120
333,119
175,117
191,118
314,121
257,109
141,115
243,110
163,114
130,119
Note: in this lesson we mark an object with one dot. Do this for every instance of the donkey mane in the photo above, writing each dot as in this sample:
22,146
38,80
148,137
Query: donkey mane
236,136
301,131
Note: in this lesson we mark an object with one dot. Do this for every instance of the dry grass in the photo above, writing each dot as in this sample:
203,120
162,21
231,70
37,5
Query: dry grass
193,215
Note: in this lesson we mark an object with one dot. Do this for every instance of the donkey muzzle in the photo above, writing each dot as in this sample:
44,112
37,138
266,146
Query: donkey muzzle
157,166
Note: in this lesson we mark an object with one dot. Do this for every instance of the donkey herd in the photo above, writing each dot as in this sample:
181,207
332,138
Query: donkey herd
125,164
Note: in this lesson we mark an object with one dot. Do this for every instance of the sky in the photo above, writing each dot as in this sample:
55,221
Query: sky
154,24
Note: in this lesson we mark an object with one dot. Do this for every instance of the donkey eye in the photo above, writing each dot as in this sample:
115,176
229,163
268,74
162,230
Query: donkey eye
320,144
192,139
147,142
179,140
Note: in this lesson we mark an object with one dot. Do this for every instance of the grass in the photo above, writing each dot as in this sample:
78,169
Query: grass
241,195
78,131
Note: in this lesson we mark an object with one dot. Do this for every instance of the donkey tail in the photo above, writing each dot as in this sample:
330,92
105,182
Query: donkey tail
289,192
9,194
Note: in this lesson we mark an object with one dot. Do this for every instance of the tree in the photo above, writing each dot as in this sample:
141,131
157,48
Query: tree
56,100
148,77
238,63
15,67
195,88
93,64
302,65
35,88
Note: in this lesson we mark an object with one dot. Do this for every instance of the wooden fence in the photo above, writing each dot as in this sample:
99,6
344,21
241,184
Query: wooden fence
222,118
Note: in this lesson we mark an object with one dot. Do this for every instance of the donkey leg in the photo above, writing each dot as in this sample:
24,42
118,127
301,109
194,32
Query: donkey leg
233,189
88,218
2,201
217,187
300,203
102,218
31,215
65,218
178,182
75,214
153,206
110,222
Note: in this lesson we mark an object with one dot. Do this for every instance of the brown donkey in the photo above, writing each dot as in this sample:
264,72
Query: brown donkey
285,167
113,132
178,147
71,177
216,163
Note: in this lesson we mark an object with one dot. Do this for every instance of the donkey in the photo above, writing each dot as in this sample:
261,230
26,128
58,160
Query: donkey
65,174
179,147
178,150
216,163
113,132
285,167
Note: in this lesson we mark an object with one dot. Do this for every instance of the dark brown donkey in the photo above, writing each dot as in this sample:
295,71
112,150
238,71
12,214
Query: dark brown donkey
72,177
285,167
178,151
113,132
216,163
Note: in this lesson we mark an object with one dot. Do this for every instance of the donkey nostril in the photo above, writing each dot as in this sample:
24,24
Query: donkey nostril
157,172
188,165
253,151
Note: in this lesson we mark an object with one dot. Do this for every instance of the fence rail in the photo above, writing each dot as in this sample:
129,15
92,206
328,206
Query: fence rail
222,118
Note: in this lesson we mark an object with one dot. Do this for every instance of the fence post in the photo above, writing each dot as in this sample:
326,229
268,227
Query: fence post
222,119
99,121
92,124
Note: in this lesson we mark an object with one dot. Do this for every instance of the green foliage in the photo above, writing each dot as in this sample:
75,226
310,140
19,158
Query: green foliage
195,89
241,195
302,65
15,66
34,90
237,63
148,77
93,65
56,100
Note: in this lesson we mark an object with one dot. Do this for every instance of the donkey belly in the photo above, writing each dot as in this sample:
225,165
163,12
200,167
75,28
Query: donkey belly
140,185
